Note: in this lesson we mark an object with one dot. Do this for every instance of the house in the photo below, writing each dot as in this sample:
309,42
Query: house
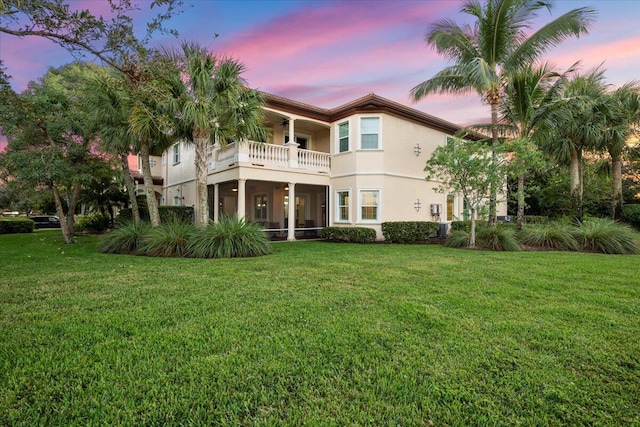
359,164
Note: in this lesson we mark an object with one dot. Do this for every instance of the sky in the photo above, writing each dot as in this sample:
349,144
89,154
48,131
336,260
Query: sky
327,53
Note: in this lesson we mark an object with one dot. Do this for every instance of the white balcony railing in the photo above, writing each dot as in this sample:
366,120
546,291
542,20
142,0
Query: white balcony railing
269,155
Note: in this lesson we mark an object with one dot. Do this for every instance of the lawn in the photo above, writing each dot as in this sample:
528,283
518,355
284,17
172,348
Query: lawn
317,334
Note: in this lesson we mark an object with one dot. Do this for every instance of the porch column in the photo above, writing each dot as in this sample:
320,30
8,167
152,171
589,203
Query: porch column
291,231
216,202
293,146
241,197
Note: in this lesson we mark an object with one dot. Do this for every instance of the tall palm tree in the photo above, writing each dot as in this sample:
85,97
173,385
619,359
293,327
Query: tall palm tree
212,104
530,95
623,121
498,44
106,98
576,124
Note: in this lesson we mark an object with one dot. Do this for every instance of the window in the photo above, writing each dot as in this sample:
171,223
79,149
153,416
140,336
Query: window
176,153
370,133
177,200
260,207
342,206
302,141
370,205
164,158
343,137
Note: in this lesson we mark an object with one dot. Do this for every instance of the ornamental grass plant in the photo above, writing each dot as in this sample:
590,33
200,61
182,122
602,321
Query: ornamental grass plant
231,237
170,239
125,239
606,236
556,235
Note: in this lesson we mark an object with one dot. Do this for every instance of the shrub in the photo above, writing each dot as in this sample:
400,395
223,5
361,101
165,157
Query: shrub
125,239
498,238
167,214
94,223
349,234
170,239
16,225
231,237
554,235
457,239
408,231
607,236
631,215
536,219
466,225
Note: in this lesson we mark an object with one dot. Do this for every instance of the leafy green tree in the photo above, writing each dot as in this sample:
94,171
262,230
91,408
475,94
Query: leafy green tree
468,168
210,103
104,190
51,139
499,43
112,39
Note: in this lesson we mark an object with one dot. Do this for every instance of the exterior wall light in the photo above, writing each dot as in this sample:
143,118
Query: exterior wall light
417,205
417,149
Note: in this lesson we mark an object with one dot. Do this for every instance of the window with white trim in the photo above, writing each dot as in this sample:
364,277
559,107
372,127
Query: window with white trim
164,158
369,205
343,137
342,206
176,153
370,133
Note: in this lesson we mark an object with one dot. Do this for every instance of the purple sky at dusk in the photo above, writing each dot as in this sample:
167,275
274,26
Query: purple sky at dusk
327,53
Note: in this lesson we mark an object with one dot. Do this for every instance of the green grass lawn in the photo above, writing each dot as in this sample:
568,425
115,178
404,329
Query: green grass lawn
317,334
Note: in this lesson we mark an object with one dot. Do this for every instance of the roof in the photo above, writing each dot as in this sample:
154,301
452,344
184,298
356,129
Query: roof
137,176
370,103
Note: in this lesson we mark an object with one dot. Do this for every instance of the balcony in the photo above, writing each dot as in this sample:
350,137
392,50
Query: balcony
268,156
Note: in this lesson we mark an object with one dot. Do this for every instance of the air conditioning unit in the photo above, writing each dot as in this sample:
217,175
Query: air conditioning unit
436,209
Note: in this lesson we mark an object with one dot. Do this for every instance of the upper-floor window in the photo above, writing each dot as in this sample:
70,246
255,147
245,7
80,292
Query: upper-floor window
164,158
302,141
343,137
176,153
370,133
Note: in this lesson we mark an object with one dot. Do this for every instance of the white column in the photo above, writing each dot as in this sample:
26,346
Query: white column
293,146
241,197
216,202
291,231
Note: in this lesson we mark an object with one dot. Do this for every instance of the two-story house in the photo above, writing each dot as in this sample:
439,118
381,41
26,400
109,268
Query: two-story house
359,164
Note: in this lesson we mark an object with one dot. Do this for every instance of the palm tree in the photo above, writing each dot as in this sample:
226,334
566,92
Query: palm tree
530,95
577,123
105,97
485,55
623,120
212,104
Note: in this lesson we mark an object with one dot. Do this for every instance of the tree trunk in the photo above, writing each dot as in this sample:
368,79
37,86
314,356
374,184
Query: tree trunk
616,199
68,237
202,202
575,185
472,232
494,99
520,217
128,183
152,203
71,212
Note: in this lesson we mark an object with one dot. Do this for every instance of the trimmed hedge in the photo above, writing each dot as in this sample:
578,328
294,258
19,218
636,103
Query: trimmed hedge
631,215
536,219
16,225
408,231
349,234
466,225
167,214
